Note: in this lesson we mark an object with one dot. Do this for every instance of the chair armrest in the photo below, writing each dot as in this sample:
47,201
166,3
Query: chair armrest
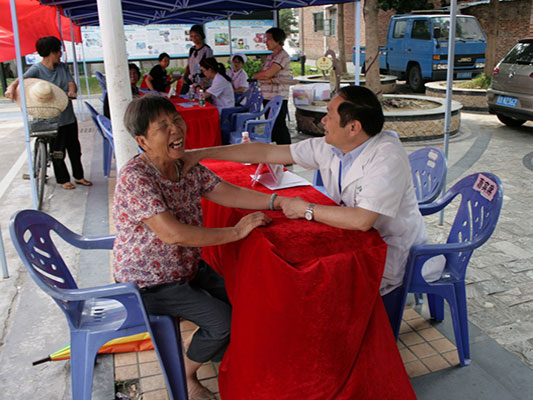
241,118
111,290
228,111
92,243
254,122
436,206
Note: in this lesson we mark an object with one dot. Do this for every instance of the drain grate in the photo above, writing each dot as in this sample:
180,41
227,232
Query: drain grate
528,161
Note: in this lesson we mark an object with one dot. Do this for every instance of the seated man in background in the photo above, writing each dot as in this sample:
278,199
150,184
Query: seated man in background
366,171
135,75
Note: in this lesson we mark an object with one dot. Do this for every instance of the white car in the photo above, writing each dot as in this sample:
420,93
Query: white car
292,49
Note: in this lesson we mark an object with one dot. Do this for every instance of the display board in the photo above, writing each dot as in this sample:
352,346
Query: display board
147,42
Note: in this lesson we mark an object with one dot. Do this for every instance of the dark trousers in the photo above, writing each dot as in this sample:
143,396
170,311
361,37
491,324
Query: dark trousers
280,133
203,301
66,141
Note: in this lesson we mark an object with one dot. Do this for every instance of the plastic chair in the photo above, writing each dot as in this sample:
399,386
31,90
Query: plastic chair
105,125
101,80
94,315
253,104
476,218
107,146
428,168
248,122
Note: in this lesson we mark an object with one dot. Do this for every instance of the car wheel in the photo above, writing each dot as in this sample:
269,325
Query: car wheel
414,79
510,121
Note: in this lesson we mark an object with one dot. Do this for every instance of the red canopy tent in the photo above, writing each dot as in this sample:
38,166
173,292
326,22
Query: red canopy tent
35,21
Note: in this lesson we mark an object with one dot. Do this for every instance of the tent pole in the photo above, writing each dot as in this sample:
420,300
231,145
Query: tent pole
76,71
20,74
64,53
85,70
229,36
117,76
449,91
357,42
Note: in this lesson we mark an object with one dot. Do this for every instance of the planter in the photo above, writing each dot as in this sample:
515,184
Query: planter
410,125
471,99
388,82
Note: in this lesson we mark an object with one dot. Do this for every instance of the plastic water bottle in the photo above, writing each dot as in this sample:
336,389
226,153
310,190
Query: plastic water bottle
201,99
246,139
191,93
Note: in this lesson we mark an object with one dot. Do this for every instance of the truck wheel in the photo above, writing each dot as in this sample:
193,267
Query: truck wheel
510,121
414,79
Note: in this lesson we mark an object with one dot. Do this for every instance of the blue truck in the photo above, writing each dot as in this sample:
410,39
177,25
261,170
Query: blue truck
417,48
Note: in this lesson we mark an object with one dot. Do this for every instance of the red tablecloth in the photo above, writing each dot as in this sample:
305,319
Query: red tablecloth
308,321
203,124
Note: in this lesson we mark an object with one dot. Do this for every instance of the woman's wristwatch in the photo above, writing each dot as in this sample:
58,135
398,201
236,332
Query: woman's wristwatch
309,213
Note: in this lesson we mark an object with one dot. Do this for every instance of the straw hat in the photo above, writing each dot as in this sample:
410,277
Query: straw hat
43,99
240,55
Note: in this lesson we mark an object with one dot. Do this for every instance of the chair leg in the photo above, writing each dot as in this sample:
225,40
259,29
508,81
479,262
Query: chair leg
82,359
419,298
167,342
436,306
462,320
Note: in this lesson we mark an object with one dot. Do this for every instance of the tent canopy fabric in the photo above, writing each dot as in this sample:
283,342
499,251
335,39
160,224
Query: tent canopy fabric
144,12
41,19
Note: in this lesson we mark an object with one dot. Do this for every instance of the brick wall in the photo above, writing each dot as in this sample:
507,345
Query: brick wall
515,22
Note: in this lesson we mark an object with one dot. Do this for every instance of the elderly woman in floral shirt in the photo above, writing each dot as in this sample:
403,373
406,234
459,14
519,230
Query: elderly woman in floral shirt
158,217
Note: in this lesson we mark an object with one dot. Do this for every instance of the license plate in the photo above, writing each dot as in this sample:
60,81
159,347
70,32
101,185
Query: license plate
464,75
506,101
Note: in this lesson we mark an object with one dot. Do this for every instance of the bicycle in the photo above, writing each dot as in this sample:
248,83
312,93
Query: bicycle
43,130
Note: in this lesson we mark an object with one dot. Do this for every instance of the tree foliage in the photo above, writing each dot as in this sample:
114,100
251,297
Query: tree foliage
287,21
404,6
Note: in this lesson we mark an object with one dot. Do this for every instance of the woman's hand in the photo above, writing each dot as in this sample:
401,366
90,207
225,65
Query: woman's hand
293,207
250,222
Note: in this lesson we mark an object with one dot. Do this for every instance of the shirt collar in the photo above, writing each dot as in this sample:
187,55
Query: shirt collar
349,158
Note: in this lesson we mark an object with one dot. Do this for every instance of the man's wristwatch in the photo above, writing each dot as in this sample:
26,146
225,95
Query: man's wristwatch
309,212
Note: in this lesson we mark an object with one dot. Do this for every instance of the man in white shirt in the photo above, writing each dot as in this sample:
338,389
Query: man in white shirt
366,171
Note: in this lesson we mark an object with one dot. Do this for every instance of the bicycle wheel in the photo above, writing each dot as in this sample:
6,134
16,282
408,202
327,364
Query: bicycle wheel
39,170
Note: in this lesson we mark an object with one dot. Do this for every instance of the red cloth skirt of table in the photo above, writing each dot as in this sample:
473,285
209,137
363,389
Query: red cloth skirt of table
308,321
203,124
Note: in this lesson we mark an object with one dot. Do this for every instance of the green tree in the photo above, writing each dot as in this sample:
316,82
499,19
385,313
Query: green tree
287,22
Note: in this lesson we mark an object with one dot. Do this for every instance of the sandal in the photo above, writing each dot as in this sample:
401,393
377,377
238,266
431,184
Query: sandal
68,186
83,182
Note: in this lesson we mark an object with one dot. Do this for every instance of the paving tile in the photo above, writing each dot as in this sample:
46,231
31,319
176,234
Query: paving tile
418,324
435,363
411,338
407,355
404,327
400,345
147,356
416,368
422,350
150,368
152,383
409,314
126,372
443,345
122,359
206,371
430,334
156,395
452,357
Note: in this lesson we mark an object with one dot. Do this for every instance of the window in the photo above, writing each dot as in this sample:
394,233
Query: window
421,30
330,26
318,22
399,29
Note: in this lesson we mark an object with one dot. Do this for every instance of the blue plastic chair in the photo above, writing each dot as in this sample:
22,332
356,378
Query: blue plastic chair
248,122
474,223
253,104
101,80
95,315
105,126
107,147
428,168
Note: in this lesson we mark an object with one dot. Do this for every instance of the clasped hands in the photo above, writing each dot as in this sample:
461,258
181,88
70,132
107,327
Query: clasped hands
293,207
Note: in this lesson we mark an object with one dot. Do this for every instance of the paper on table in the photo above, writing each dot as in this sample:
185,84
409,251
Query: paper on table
288,180
187,104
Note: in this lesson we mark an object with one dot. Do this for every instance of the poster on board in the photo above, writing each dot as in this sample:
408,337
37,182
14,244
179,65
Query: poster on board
147,42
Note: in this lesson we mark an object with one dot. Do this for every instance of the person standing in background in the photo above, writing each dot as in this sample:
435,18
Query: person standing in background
52,70
274,77
157,78
197,53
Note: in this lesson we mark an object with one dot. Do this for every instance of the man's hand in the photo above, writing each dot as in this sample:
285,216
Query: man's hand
250,222
11,94
72,95
293,208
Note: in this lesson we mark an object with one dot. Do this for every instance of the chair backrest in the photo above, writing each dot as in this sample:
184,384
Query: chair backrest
476,218
255,101
270,112
94,115
105,125
428,168
143,83
101,80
